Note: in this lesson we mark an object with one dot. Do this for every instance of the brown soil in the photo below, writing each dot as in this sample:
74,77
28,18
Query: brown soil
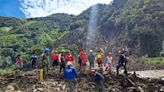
27,81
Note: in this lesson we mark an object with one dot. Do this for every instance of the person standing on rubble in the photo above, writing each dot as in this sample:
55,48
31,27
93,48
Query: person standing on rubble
19,62
99,59
44,61
69,57
91,58
122,62
70,74
62,62
99,80
55,58
34,61
83,57
108,62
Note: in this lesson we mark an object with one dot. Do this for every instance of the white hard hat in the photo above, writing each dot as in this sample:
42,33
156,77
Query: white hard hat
69,63
90,50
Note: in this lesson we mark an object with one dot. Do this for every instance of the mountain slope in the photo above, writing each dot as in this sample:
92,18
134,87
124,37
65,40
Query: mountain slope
141,24
134,25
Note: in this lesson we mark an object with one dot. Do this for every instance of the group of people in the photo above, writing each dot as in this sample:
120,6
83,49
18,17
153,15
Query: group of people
103,60
67,63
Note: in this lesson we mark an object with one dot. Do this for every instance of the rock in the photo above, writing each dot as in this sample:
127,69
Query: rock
161,89
140,89
18,91
63,87
57,89
115,90
40,89
55,83
162,78
132,89
9,88
35,90
60,86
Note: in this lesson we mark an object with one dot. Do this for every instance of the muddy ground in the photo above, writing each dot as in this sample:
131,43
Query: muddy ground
27,81
136,64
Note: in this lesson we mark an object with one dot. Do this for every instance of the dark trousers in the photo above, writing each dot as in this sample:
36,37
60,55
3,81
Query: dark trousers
55,63
62,66
33,64
79,66
100,64
122,65
91,64
100,86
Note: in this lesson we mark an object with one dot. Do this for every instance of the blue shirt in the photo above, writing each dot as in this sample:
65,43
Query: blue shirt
99,77
70,73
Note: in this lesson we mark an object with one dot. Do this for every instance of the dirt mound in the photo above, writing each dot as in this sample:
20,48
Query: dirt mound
55,82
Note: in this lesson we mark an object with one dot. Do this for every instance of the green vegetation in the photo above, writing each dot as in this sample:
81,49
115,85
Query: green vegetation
146,1
136,24
161,12
7,70
5,29
29,36
142,20
155,60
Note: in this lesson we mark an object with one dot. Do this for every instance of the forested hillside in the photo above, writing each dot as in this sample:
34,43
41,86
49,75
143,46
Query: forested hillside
133,24
136,25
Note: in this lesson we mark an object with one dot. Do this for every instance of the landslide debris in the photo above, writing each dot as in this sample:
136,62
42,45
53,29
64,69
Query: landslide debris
27,81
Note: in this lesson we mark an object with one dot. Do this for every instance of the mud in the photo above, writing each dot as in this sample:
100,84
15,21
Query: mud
136,64
27,81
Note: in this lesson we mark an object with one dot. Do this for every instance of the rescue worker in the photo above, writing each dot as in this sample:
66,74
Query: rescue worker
83,57
99,59
19,62
99,80
69,57
108,62
91,58
44,61
70,75
122,62
60,54
34,60
62,62
55,58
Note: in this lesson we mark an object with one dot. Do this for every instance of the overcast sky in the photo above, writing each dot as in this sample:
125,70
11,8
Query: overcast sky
40,8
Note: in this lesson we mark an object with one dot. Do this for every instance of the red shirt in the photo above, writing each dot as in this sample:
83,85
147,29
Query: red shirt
62,58
20,60
69,57
55,57
83,57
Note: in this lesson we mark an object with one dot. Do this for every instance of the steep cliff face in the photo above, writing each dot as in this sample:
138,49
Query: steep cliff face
137,26
131,24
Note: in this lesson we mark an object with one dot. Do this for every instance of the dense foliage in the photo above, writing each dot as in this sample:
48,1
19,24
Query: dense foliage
136,24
